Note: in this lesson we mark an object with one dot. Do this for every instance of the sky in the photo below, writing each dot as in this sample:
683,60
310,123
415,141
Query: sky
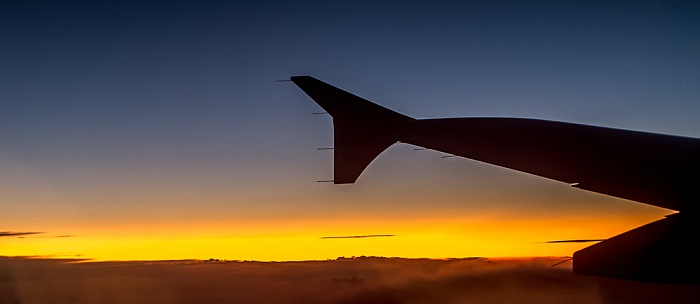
139,131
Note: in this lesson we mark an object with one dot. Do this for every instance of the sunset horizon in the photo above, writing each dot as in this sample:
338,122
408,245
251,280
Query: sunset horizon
278,131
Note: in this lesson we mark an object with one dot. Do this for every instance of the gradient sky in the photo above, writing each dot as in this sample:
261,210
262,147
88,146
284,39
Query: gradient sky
153,130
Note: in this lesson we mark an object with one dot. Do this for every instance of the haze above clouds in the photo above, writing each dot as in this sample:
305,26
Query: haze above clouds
344,280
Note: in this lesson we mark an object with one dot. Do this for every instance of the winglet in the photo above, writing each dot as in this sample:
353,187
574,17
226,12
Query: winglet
362,129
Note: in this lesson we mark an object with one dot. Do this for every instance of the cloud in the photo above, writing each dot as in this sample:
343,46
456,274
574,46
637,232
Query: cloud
57,236
574,241
357,236
357,280
23,234
16,233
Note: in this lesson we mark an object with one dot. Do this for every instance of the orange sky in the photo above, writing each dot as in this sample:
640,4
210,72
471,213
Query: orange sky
472,210
494,234
135,130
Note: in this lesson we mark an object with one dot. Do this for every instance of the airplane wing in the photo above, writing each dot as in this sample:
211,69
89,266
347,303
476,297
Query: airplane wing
361,129
656,169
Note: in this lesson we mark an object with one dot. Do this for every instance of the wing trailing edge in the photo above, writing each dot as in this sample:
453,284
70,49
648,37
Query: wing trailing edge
655,169
660,252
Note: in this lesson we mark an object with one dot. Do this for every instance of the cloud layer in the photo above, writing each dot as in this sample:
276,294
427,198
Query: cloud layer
345,280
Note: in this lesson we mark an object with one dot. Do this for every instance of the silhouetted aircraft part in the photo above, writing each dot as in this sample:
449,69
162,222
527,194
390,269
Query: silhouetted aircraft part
447,156
361,128
562,262
574,241
325,181
649,168
320,149
656,169
318,113
283,80
647,253
419,149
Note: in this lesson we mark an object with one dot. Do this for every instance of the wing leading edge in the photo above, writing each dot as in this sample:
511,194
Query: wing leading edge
656,169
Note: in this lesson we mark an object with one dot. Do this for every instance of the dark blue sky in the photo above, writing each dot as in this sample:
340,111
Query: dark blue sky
113,110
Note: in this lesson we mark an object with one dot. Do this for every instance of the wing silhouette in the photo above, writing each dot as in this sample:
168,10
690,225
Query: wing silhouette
656,169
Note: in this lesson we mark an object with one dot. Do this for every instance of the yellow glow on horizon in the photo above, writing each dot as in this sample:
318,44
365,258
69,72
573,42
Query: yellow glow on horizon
289,240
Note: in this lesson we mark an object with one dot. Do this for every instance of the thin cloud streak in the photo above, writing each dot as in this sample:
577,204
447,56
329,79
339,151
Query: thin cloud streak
574,241
16,233
357,236
55,236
